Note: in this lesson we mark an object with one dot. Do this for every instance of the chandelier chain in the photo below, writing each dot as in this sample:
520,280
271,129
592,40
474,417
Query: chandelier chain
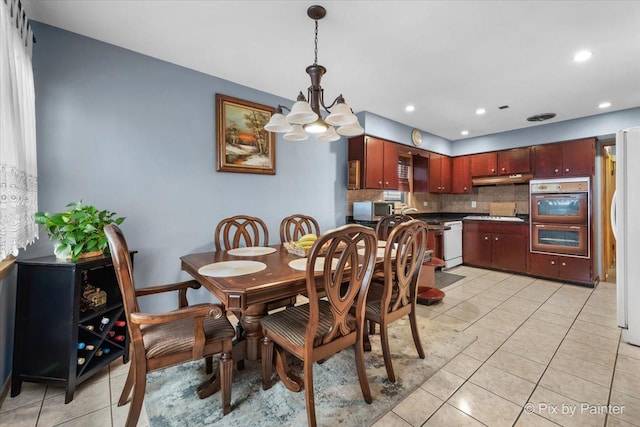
315,60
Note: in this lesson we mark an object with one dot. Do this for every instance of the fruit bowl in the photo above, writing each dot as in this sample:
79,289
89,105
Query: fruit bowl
294,249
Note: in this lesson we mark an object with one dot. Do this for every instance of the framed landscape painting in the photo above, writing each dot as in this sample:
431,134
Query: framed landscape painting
243,145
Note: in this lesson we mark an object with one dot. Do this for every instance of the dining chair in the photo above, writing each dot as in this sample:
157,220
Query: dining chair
387,223
383,228
160,340
295,226
403,257
235,231
324,326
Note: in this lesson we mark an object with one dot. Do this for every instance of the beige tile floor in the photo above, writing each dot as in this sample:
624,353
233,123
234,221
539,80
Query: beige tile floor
547,354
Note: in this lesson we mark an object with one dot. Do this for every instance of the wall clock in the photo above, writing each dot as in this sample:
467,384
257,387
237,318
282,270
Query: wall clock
416,137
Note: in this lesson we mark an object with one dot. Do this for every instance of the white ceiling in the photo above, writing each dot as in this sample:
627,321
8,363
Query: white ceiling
447,58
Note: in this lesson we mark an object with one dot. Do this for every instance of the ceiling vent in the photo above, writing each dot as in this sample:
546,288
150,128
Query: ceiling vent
541,117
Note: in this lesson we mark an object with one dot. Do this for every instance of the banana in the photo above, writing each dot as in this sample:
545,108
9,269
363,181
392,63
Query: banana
307,238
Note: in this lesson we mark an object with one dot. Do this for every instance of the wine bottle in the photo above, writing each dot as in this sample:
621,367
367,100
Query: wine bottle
81,346
89,347
120,323
81,360
119,338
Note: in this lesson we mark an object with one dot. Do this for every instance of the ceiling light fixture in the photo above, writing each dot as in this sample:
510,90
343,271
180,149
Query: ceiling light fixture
582,56
304,117
604,105
480,111
464,133
409,108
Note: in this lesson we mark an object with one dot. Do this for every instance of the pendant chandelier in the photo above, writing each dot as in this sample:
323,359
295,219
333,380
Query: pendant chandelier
304,117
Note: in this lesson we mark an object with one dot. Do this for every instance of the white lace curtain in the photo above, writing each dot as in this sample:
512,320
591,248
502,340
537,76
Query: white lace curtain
18,164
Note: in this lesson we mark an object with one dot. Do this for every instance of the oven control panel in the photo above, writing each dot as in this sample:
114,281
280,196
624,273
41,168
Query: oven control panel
551,186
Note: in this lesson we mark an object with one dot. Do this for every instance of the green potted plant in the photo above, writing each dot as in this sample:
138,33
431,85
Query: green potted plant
78,232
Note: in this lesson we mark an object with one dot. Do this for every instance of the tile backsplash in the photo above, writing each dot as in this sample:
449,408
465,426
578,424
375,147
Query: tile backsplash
483,196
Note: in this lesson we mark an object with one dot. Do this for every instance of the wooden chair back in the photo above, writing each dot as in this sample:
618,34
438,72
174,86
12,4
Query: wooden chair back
239,230
295,226
387,223
353,247
404,255
124,274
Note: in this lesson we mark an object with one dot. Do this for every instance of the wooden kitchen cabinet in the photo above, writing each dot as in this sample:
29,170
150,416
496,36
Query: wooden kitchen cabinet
439,173
495,244
565,159
461,175
420,174
476,246
558,267
484,164
513,161
378,159
504,162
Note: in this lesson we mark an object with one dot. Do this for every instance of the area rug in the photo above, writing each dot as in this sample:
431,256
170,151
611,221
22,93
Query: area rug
171,399
445,279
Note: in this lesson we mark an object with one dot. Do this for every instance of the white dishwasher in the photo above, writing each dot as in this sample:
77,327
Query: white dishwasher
452,242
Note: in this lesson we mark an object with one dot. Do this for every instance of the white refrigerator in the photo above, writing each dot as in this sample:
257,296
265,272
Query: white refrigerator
626,227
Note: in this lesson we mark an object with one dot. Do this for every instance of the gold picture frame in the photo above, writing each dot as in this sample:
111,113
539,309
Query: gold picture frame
242,143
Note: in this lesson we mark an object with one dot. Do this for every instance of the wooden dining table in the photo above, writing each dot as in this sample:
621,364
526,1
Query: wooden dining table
247,296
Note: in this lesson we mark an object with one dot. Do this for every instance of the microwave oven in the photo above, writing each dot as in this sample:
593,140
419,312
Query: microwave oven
372,211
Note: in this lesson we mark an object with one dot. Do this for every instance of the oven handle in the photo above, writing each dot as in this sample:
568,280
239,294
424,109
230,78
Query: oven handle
614,219
557,226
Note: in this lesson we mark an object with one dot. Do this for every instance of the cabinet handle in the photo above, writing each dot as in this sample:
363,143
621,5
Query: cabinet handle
486,238
496,239
566,170
386,183
493,169
504,169
465,188
555,171
564,264
380,182
553,263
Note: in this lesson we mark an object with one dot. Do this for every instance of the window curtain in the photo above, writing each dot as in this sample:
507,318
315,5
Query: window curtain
18,164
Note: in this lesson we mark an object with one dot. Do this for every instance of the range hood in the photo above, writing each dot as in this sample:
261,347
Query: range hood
518,178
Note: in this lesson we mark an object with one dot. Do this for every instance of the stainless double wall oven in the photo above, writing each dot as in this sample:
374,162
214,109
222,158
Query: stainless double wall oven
560,216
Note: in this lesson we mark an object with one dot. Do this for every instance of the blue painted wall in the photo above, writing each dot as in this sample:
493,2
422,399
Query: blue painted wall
394,131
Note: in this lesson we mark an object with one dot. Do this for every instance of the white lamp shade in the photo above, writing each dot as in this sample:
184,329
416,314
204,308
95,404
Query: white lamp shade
301,114
317,126
328,136
351,129
296,134
278,123
341,115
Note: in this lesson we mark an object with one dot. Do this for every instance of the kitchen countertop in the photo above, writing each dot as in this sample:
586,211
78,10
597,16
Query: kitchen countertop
436,219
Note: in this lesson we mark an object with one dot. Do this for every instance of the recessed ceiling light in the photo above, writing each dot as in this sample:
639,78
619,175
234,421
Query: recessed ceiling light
582,56
480,111
464,132
409,108
604,105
